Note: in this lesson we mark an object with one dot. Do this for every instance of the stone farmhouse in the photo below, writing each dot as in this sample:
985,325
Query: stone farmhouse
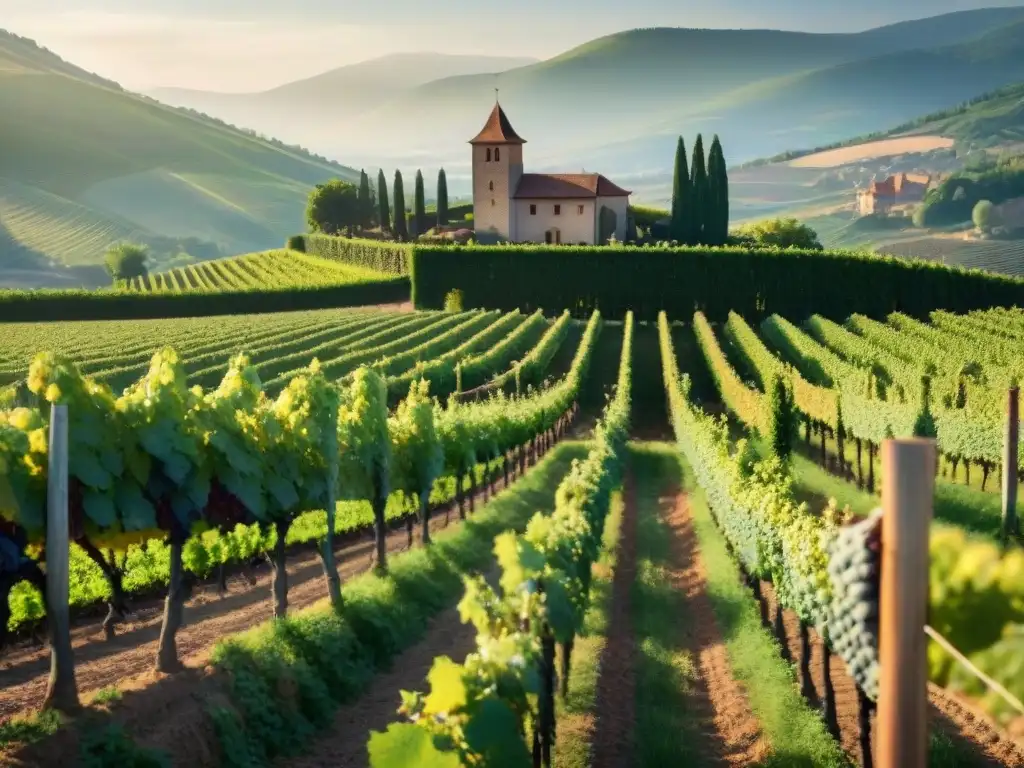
512,206
881,196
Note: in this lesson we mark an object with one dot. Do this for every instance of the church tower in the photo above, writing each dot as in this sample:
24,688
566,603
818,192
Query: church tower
497,168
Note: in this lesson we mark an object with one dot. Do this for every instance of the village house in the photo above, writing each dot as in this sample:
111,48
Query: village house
881,196
513,206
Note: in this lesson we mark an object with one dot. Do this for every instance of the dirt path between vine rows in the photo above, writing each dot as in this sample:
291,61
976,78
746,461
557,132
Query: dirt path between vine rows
209,618
716,704
616,684
730,732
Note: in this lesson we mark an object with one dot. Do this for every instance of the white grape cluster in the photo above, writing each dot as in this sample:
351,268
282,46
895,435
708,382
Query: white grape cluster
855,559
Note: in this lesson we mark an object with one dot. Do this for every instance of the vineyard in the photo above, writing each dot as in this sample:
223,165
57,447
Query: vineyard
542,523
1004,256
269,269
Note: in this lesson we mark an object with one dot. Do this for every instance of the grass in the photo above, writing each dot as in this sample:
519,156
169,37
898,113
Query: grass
29,728
796,734
576,712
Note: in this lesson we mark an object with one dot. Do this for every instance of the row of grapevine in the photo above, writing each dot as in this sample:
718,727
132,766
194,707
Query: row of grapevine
478,712
268,269
166,460
778,539
530,370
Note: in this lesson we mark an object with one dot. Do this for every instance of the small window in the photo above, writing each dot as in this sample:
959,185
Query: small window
492,202
579,209
490,186
533,210
558,210
488,154
497,155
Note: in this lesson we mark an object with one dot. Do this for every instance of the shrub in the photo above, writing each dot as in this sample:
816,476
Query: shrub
453,301
296,243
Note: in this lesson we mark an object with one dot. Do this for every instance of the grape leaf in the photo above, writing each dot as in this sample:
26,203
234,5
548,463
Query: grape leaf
560,610
137,513
99,507
447,690
282,490
404,745
84,465
493,733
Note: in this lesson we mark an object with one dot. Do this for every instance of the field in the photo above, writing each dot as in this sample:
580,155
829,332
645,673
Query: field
668,624
268,269
872,150
1004,256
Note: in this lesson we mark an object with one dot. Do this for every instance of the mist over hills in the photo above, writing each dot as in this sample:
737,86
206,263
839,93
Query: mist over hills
617,103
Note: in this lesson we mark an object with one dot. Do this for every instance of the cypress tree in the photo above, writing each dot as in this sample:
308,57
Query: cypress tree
365,203
420,203
383,209
442,198
681,202
782,427
723,194
401,230
699,192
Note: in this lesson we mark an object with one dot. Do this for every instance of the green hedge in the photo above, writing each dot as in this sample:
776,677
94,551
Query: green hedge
754,283
45,305
381,255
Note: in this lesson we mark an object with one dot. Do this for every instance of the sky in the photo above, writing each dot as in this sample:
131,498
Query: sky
251,45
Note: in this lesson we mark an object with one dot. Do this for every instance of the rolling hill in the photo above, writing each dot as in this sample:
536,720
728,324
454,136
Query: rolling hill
85,162
761,90
334,96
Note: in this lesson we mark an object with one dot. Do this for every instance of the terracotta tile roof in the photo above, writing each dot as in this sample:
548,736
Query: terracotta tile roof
497,130
566,186
886,187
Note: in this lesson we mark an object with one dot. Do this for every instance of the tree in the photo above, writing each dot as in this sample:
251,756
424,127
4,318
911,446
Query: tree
365,201
983,214
126,261
401,230
420,203
333,206
442,198
699,193
383,209
718,192
781,233
679,228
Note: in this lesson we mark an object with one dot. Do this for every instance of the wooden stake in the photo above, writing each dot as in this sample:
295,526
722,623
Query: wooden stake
1010,522
908,489
62,690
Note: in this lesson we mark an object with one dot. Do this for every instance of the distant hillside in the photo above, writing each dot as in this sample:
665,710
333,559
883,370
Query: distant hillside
618,102
85,162
340,94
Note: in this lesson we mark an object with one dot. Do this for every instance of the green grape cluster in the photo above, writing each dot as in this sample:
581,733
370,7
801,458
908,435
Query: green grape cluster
855,560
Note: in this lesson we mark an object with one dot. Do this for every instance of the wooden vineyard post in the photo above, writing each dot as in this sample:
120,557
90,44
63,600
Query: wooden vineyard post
62,690
908,489
1010,442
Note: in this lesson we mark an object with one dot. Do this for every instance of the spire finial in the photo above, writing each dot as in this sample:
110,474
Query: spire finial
495,95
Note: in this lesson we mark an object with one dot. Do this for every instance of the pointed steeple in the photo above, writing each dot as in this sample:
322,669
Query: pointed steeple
497,129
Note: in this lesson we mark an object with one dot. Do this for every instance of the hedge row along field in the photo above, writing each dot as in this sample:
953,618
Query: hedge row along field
716,281
256,271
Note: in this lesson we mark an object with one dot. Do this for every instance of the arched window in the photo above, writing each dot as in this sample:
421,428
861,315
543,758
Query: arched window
488,154
497,156
490,186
